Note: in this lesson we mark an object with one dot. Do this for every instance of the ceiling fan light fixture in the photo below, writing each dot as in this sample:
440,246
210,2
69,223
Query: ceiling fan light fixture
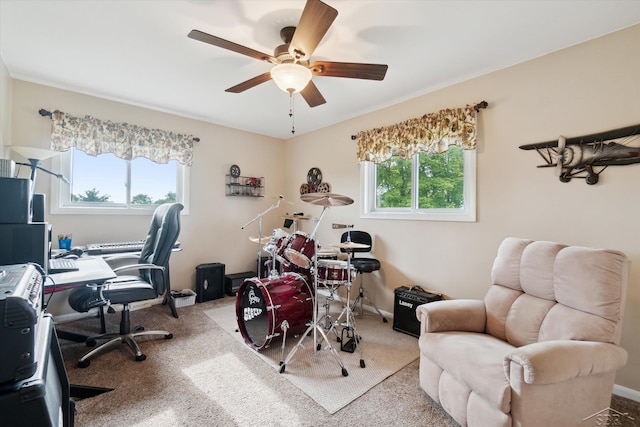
291,77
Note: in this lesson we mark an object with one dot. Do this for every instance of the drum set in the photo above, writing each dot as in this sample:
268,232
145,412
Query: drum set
285,302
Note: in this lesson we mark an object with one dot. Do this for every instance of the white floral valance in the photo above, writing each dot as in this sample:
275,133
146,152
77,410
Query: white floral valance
431,133
126,141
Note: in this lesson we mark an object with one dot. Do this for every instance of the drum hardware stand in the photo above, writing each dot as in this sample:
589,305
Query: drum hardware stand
276,205
315,325
328,320
284,326
349,330
360,299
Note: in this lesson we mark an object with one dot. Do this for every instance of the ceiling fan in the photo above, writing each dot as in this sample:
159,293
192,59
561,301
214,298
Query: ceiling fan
292,69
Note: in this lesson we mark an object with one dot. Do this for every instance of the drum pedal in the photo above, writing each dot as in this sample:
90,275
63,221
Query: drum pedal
348,340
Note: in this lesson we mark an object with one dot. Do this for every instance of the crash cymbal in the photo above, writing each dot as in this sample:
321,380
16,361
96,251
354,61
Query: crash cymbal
256,239
351,245
326,199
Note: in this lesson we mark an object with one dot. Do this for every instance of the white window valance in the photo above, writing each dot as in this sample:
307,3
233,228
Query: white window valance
124,140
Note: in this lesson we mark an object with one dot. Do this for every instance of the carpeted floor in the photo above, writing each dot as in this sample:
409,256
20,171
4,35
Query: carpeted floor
318,373
205,377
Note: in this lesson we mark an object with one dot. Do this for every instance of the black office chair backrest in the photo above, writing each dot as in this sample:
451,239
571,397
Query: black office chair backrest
357,237
163,233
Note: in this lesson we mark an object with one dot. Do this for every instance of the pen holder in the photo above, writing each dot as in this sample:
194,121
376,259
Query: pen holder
64,242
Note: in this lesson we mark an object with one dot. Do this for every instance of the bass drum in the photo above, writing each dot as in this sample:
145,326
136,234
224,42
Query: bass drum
263,305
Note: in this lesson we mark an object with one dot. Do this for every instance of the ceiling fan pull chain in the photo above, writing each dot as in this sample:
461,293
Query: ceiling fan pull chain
293,123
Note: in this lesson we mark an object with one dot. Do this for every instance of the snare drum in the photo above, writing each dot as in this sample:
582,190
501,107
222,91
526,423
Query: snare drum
334,272
263,305
300,249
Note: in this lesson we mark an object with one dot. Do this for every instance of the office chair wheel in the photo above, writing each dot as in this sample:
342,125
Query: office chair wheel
362,364
140,358
384,320
168,336
84,363
319,347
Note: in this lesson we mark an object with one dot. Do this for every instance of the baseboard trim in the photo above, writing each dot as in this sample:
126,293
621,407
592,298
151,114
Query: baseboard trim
626,392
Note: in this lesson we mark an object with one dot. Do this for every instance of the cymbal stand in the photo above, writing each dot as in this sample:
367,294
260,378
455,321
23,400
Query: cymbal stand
315,325
258,218
349,326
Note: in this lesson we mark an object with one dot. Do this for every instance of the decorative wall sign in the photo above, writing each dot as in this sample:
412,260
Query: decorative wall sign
587,156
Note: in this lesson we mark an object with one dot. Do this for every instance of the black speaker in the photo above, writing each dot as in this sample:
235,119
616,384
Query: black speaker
15,194
404,309
37,208
209,281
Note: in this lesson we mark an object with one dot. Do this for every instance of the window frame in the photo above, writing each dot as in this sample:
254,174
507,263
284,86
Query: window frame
61,193
368,208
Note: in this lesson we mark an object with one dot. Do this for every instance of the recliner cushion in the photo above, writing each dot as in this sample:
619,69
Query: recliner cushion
474,359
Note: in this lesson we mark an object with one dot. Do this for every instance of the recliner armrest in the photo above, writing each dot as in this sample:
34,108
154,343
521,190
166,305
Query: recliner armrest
452,315
549,362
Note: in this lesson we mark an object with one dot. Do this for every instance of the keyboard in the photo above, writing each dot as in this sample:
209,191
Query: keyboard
113,248
61,265
118,247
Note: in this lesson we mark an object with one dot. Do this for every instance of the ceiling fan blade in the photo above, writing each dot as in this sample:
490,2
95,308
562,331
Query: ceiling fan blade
349,69
312,95
234,47
241,87
314,23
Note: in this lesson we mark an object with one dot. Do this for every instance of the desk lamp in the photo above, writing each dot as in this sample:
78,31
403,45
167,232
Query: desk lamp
35,156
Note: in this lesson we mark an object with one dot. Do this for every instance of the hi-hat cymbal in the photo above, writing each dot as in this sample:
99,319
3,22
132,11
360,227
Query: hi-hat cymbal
326,199
263,241
296,217
351,245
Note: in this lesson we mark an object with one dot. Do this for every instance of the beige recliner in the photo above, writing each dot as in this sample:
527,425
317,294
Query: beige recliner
541,349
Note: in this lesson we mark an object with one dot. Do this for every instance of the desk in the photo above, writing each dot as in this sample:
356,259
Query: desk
91,270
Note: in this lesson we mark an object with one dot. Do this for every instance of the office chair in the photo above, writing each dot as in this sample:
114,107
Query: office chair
362,265
150,282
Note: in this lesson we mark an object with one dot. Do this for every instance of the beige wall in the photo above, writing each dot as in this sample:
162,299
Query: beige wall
5,107
588,88
211,231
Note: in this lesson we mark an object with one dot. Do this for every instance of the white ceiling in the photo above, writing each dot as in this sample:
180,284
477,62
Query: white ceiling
137,51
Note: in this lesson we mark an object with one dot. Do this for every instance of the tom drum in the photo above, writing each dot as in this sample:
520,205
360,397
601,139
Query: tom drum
300,249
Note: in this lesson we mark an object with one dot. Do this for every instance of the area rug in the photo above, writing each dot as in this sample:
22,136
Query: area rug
318,373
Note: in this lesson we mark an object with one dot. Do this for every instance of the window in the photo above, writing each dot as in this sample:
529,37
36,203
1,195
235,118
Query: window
438,187
107,184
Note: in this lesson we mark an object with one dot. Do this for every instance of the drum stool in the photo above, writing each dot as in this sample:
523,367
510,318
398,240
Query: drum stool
362,265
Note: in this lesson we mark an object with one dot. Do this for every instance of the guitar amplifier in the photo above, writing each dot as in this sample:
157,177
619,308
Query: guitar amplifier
404,308
233,281
209,281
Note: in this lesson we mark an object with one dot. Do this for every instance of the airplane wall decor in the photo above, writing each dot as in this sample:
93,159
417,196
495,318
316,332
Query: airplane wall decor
587,156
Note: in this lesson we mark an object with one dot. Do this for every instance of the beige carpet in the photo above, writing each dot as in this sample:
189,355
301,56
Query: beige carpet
318,373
